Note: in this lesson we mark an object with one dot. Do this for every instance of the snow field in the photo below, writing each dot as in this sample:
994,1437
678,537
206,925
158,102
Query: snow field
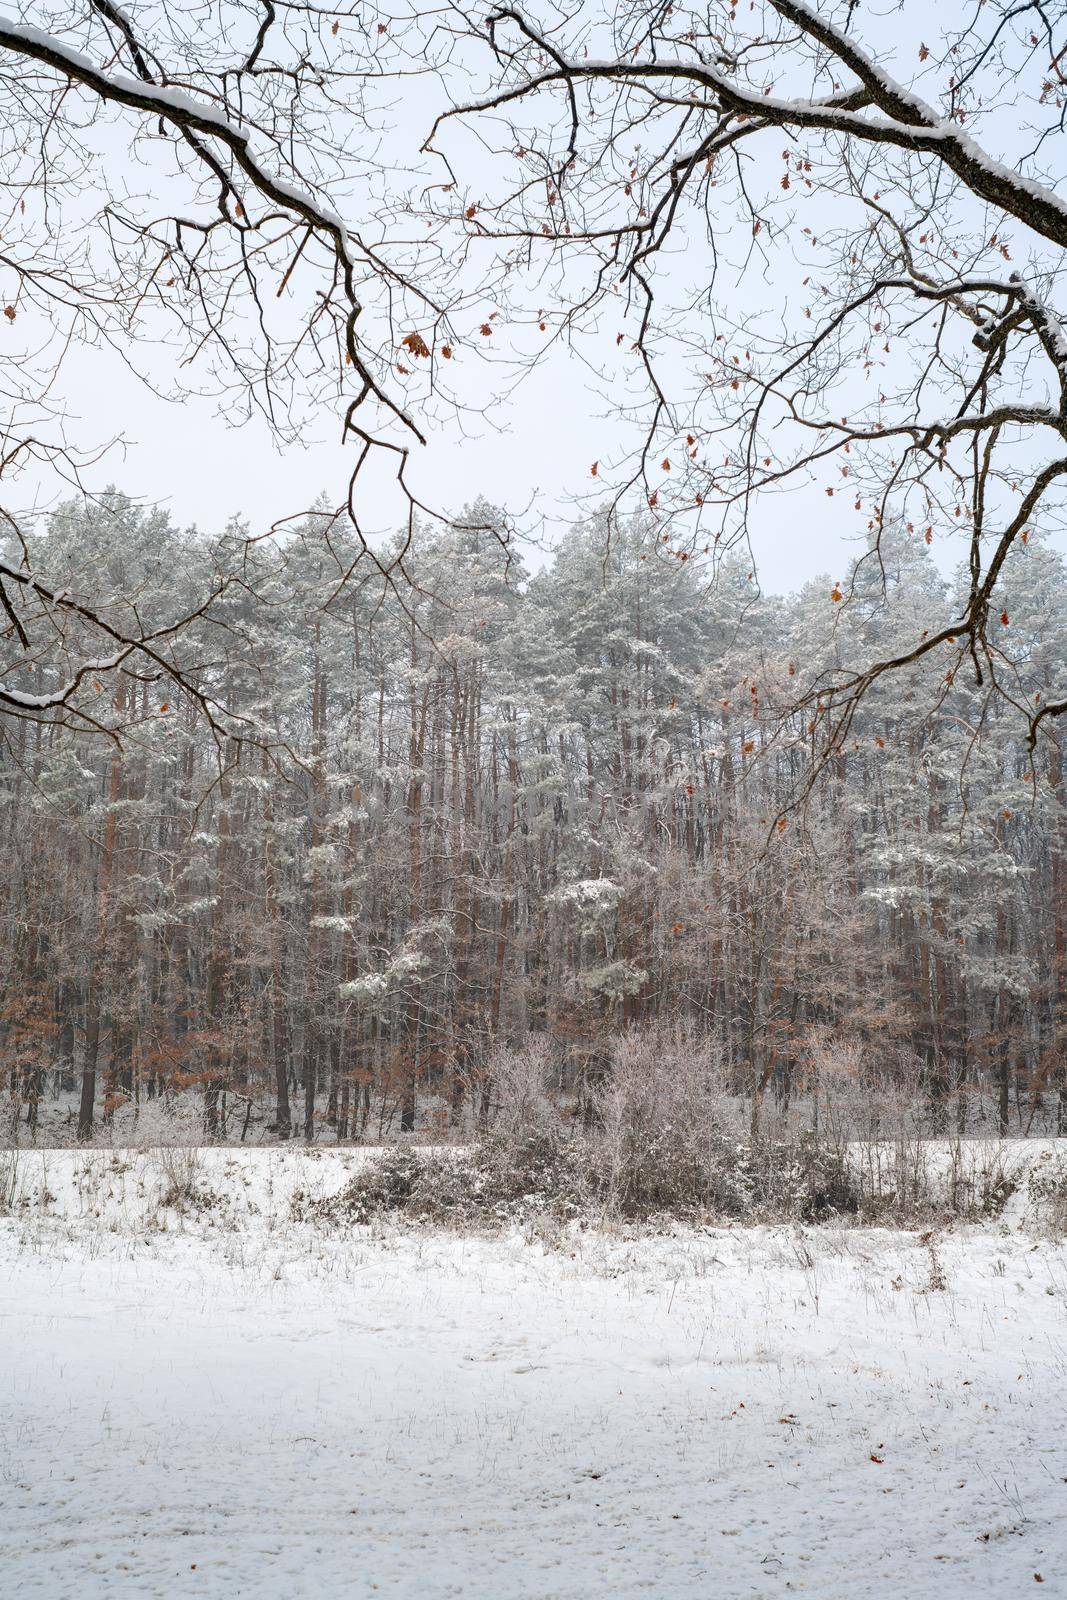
243,1406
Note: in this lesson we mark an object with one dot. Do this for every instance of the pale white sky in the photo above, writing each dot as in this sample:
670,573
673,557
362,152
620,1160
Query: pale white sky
532,456
535,462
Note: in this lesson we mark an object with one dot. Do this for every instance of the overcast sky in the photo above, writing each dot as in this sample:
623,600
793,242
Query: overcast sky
531,455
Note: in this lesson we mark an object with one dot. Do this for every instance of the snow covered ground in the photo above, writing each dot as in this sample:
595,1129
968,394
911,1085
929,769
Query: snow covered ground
230,1404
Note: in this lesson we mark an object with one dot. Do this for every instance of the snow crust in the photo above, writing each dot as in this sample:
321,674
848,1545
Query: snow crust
231,1404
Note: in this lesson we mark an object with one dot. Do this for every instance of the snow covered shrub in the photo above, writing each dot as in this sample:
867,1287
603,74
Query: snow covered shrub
911,1182
849,1086
648,1160
671,1143
831,1074
627,1171
894,1179
829,1184
1047,1194
528,1161
661,1144
981,1181
520,1089
664,1130
498,1180
181,1172
544,1170
804,1179
9,1180
388,1183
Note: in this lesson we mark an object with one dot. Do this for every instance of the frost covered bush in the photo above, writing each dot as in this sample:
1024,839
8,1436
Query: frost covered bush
671,1144
981,1181
521,1084
908,1181
622,1173
168,1121
662,1143
1047,1195
9,1180
387,1184
803,1179
640,1165
665,1140
181,1172
498,1180
664,1131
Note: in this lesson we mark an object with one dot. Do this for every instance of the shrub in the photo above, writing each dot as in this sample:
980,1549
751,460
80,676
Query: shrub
9,1180
1047,1194
498,1180
568,1175
181,1170
664,1140
386,1184
665,1132
803,1179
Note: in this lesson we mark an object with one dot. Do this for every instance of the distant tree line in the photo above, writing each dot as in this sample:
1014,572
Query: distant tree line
398,829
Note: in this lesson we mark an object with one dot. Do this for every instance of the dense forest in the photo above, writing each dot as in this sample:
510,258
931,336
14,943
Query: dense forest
402,827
